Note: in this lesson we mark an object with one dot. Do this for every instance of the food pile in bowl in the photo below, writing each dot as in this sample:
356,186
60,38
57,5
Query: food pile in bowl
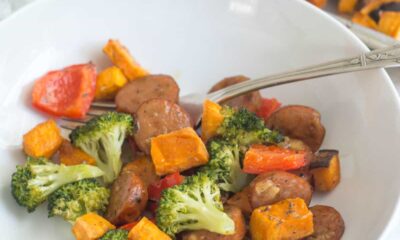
142,171
380,15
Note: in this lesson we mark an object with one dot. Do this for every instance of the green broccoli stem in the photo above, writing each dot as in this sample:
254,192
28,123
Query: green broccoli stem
108,161
208,217
114,157
102,138
237,179
51,176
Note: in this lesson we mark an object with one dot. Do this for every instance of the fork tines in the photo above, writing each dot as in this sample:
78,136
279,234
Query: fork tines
96,109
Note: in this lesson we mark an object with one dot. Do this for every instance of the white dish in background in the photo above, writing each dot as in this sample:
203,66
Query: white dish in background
200,42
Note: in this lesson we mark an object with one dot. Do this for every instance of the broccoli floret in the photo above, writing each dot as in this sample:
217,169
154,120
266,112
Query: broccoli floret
102,138
34,181
115,234
244,128
224,166
194,204
75,199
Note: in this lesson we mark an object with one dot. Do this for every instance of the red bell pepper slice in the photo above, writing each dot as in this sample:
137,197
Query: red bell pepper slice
67,92
268,106
129,226
168,181
260,159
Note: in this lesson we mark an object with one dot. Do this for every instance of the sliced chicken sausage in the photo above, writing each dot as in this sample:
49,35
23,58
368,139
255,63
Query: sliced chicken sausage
240,228
299,122
328,224
271,187
128,198
158,116
251,101
242,201
140,90
143,167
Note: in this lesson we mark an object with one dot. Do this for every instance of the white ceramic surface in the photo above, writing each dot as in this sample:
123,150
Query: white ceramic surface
200,42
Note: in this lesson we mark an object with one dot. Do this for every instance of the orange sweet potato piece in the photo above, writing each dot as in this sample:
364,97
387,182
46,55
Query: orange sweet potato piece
178,151
71,155
318,3
347,6
90,227
121,57
287,219
364,20
43,140
389,24
372,5
147,230
212,119
327,177
108,82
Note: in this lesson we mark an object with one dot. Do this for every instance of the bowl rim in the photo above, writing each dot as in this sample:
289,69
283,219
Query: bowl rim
390,231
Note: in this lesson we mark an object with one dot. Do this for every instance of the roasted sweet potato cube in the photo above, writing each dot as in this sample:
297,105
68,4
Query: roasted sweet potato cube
389,23
326,170
71,155
318,3
108,82
212,119
91,227
364,20
43,140
147,230
121,57
287,219
178,151
347,6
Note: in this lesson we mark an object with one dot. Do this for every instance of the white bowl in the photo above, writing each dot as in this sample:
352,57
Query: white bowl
200,42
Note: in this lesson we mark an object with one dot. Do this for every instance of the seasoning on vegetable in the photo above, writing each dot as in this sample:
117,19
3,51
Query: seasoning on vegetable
178,151
287,219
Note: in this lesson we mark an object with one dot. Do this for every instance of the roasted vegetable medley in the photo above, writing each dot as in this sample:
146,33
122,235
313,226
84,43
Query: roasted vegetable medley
379,15
143,172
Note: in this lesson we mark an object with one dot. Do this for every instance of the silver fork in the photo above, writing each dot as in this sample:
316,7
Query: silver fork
380,58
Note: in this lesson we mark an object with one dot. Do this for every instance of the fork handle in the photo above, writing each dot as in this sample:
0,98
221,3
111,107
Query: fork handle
380,58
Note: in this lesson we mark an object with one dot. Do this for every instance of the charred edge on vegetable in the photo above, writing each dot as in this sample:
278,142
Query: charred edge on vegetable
323,158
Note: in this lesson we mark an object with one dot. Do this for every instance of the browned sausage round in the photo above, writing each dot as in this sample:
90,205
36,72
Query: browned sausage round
136,92
240,228
328,224
304,173
269,188
300,122
158,116
242,201
128,198
251,101
143,167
